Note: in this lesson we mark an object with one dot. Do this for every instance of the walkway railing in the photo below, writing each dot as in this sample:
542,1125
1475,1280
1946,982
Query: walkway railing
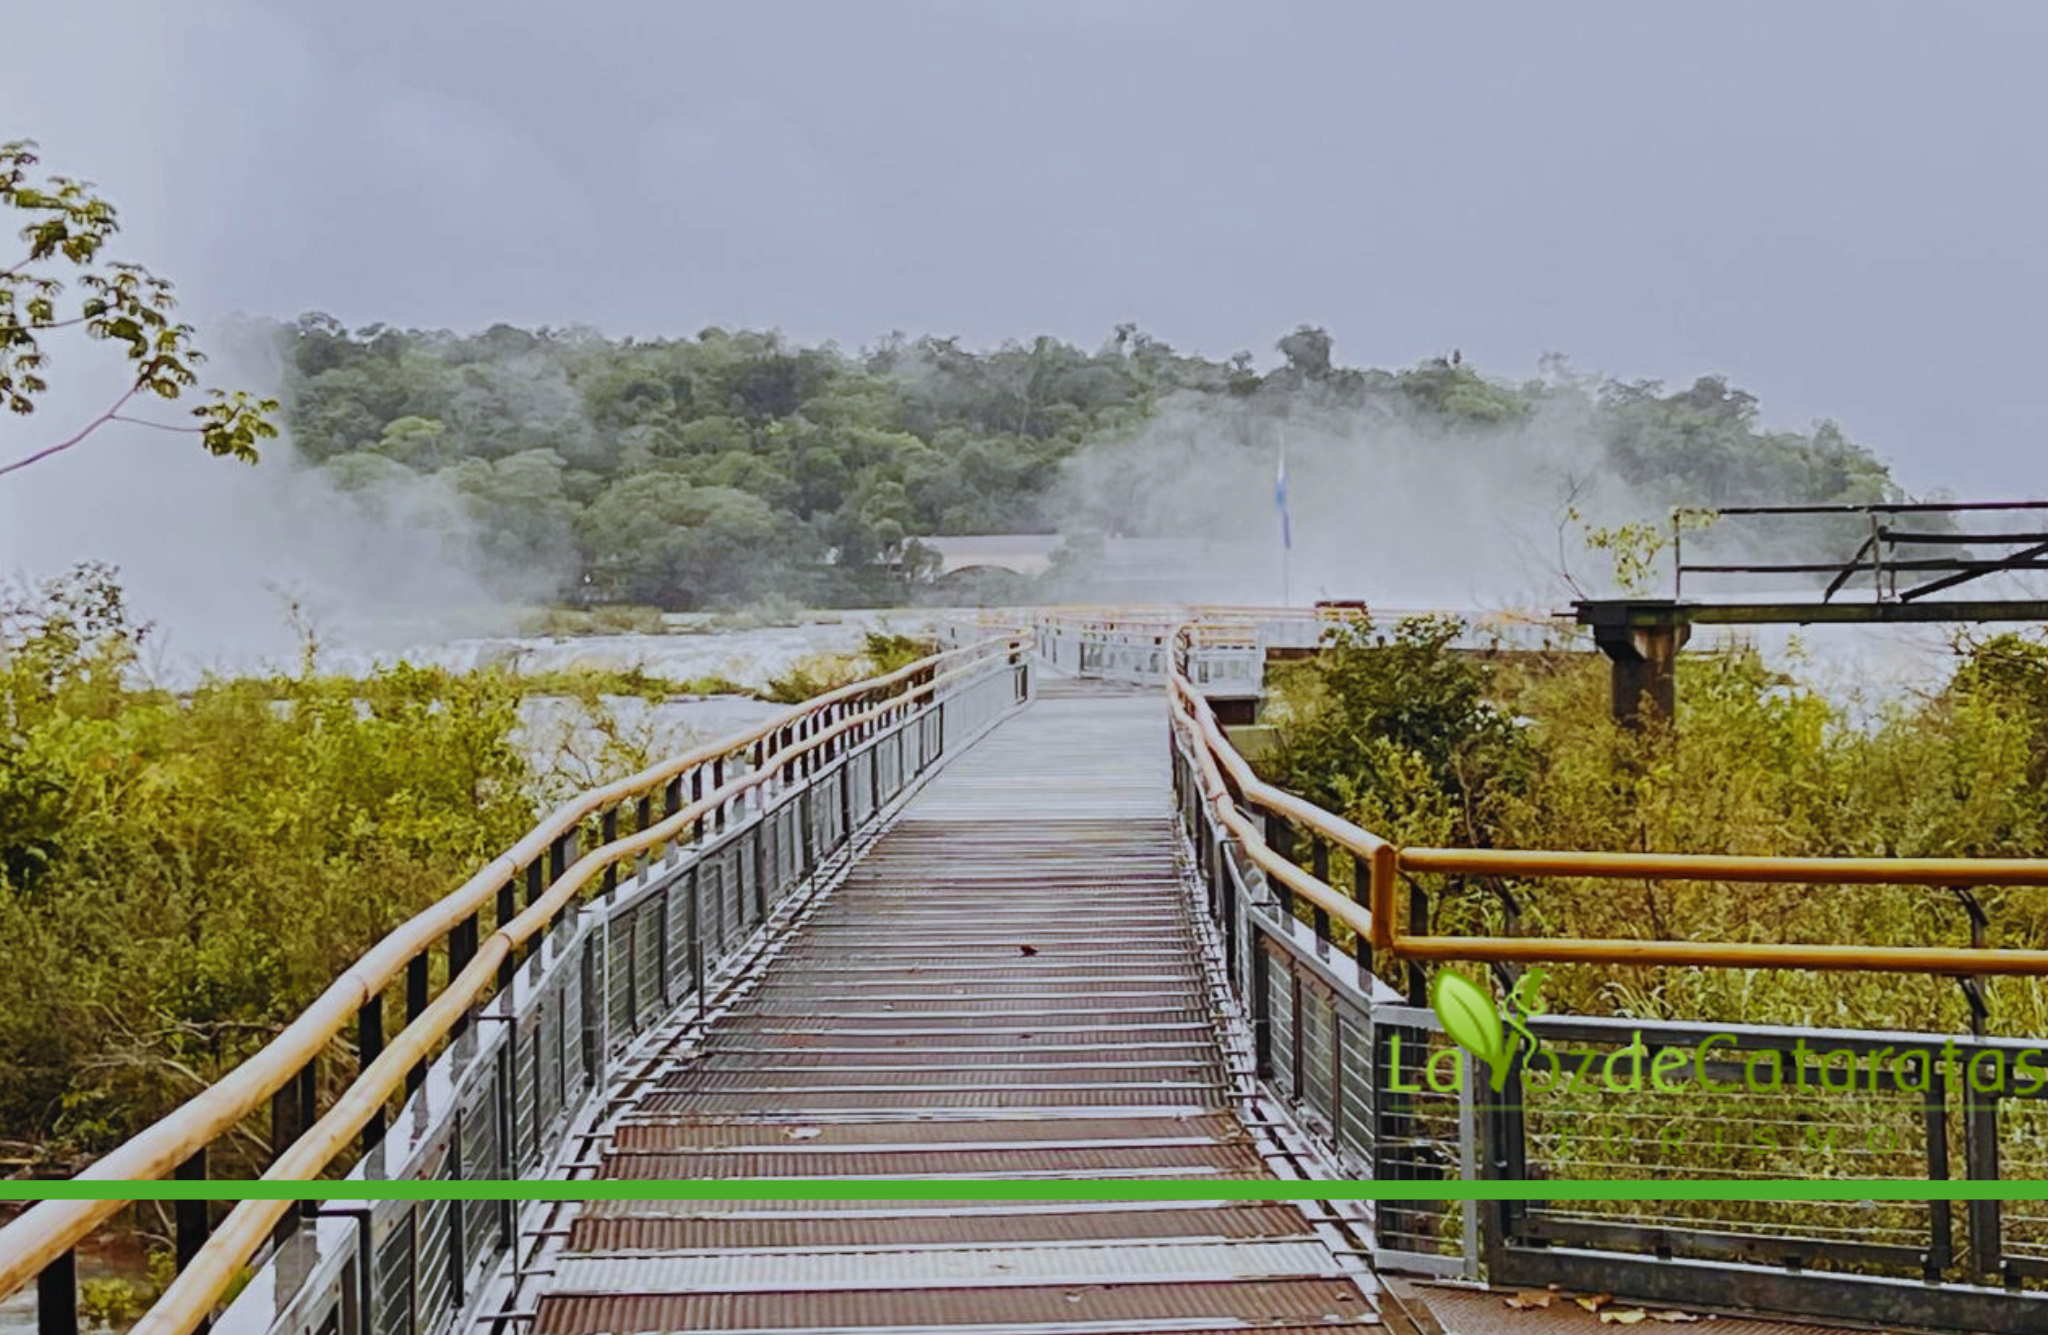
679,867
1327,927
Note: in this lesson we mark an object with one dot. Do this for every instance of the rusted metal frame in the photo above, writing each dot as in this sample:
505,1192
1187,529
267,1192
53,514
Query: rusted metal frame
1876,507
1854,564
2027,558
1966,570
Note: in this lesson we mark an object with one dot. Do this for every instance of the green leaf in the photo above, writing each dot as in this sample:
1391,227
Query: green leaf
1469,1016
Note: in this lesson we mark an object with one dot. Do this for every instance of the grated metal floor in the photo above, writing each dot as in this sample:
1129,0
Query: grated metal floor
1008,984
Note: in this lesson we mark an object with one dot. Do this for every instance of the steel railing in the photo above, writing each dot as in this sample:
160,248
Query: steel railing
1292,886
743,823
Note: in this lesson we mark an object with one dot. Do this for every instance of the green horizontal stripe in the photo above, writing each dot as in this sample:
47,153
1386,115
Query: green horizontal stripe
763,1189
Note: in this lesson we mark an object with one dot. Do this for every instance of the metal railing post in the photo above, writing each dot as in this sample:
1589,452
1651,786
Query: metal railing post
416,980
193,1219
1319,856
1361,945
508,909
607,833
1941,1245
558,863
696,933
1280,838
57,1296
369,1044
293,1110
462,947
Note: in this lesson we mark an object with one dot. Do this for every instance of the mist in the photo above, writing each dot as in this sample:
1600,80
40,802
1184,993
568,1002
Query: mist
1820,206
1385,507
232,565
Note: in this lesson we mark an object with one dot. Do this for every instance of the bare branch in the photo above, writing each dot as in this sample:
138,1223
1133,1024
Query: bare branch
158,426
62,445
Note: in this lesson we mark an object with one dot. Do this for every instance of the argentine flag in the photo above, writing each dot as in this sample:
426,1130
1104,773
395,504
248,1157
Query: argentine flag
1280,500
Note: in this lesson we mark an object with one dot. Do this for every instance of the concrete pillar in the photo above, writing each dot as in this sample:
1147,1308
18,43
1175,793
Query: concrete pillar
1645,663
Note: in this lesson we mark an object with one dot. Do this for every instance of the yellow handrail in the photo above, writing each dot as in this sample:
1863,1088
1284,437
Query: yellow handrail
1253,841
192,1295
45,1232
1385,863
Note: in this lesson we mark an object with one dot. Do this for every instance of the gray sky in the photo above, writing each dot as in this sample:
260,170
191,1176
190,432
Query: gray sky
1839,205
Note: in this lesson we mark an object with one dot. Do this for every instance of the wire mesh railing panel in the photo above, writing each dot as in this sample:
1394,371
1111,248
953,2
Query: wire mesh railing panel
2023,1157
1422,1132
502,1098
1750,1109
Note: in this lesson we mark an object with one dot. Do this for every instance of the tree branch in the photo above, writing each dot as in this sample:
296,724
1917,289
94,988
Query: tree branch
95,424
158,426
41,328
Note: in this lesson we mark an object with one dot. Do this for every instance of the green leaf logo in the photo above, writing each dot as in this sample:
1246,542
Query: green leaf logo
1472,1020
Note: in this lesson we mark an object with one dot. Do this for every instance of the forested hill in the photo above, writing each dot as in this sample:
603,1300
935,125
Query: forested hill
707,471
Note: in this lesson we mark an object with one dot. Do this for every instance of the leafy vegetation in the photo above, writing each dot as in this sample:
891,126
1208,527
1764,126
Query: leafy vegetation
67,229
1411,737
711,471
179,873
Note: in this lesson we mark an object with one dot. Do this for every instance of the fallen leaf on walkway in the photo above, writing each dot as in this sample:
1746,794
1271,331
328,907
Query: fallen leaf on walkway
1674,1315
1623,1316
1593,1302
1529,1298
1029,950
803,1132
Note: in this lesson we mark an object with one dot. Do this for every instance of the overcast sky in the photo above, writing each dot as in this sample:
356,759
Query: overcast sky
1839,205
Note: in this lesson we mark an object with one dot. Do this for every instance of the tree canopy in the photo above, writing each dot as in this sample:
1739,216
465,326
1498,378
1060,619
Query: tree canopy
695,471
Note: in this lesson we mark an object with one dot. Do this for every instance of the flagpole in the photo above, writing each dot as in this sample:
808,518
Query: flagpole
1286,525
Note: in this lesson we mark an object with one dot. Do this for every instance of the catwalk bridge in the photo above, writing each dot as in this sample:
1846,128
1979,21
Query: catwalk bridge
1022,911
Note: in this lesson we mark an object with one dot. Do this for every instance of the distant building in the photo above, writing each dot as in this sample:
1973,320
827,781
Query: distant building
1018,553
1125,570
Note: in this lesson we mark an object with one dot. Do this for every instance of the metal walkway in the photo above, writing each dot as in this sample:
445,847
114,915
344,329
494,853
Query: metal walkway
1010,983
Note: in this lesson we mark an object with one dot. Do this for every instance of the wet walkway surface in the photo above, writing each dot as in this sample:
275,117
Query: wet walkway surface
1011,983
